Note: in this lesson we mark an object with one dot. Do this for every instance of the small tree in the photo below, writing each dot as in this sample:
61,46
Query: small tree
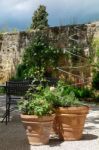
39,20
38,56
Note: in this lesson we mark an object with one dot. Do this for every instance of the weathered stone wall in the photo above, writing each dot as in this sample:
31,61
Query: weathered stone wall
12,44
11,50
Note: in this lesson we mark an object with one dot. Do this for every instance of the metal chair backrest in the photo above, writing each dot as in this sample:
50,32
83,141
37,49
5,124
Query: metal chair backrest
17,88
52,81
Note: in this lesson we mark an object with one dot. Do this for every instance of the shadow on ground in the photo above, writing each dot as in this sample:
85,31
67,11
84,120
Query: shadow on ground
85,137
89,137
55,142
13,136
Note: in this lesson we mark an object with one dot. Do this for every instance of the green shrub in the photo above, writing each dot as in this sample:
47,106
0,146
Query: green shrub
83,92
64,96
36,103
37,57
37,106
2,90
42,100
66,100
95,82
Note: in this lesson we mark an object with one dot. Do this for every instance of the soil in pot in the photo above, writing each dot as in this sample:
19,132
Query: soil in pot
70,122
37,128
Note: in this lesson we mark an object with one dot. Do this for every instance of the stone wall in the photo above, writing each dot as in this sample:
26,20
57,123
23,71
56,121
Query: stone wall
12,44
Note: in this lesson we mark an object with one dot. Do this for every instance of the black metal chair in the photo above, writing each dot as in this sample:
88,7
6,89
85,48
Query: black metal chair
14,91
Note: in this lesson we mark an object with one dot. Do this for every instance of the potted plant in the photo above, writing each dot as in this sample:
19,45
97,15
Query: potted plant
37,116
70,113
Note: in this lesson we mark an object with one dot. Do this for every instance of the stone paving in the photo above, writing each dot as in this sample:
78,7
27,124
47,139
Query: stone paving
13,137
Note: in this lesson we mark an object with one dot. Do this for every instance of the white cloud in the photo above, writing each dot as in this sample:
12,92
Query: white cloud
17,6
18,11
60,11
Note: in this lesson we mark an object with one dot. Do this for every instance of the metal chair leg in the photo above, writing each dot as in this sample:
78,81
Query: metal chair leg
6,115
9,111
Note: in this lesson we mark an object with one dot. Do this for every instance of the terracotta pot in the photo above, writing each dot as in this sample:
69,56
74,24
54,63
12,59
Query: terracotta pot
70,122
37,128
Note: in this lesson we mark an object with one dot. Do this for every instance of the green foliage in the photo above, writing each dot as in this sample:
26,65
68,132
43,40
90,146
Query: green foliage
64,97
83,92
2,90
42,101
39,20
36,104
69,100
95,82
20,72
38,56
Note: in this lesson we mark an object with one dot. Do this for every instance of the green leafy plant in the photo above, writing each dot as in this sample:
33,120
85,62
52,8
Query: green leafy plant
95,82
36,103
39,19
2,91
37,106
69,100
42,100
37,57
63,97
86,93
83,92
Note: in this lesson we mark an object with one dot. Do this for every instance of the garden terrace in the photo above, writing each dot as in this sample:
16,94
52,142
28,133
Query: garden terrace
12,45
13,137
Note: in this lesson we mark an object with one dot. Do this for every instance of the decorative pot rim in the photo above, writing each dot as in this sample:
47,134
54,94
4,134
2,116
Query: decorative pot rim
68,107
37,118
73,109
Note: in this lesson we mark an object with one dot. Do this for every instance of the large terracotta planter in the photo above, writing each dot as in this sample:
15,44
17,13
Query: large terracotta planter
70,122
37,128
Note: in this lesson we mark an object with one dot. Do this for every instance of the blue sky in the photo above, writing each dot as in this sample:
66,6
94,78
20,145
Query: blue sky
18,13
